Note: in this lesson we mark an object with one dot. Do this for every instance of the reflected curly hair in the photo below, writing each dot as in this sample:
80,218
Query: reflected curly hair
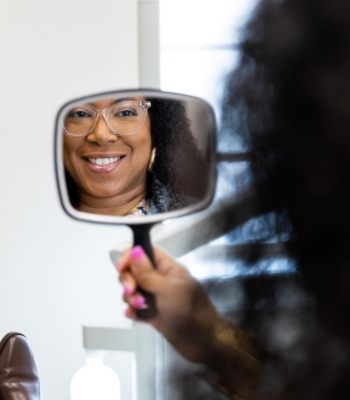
179,166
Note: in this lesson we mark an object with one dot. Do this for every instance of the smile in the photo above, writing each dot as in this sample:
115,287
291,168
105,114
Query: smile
103,165
103,162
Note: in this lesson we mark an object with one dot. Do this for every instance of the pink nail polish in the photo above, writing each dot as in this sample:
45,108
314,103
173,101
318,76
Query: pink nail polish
127,290
136,253
139,302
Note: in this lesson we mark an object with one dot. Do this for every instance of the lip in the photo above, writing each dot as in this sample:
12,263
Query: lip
102,163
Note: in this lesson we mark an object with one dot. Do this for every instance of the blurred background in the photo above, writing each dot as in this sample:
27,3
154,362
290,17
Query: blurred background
55,273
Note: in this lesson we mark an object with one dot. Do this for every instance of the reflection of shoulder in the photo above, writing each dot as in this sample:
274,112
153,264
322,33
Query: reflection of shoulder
161,200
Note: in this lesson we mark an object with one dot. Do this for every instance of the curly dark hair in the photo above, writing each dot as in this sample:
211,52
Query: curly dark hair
289,100
180,171
179,165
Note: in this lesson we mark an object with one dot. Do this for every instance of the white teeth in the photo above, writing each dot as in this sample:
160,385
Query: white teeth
102,162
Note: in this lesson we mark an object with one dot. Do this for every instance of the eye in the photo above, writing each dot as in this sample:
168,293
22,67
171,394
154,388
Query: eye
79,113
127,113
125,110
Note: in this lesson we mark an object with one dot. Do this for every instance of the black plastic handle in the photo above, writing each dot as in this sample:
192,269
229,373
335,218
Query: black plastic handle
142,238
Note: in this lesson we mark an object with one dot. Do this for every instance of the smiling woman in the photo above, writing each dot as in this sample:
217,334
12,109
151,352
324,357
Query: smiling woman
107,150
132,156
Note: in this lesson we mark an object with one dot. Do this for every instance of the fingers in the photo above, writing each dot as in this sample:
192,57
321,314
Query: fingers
133,298
137,301
133,264
166,265
128,282
136,255
146,275
144,272
137,272
130,313
123,262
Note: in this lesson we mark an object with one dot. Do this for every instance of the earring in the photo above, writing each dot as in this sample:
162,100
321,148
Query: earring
152,158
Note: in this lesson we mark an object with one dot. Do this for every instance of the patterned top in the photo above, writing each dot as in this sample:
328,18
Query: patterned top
150,206
141,208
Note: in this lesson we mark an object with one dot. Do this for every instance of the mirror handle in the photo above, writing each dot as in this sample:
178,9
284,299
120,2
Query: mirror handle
142,238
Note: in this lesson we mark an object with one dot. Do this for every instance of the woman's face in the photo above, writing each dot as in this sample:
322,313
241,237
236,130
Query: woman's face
105,165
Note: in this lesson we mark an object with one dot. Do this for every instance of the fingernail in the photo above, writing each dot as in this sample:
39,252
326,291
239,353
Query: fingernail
127,313
127,290
119,265
136,253
139,302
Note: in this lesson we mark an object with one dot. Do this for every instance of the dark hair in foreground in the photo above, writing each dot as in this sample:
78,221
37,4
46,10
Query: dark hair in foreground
292,92
179,174
289,100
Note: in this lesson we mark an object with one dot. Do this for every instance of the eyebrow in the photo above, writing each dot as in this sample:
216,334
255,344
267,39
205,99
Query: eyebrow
118,100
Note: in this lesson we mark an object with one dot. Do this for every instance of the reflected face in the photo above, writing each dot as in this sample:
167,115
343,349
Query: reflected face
128,154
104,164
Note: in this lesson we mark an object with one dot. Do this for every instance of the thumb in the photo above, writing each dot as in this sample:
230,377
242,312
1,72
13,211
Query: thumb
147,277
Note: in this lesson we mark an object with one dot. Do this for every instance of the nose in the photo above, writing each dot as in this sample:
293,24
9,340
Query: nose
101,133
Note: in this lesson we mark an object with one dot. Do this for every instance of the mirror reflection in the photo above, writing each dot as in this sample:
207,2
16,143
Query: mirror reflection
130,154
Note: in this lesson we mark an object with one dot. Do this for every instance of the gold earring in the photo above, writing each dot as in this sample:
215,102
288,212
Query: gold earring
152,158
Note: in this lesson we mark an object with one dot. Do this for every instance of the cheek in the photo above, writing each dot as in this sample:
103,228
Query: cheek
145,134
72,143
141,154
70,154
66,153
141,145
145,151
68,147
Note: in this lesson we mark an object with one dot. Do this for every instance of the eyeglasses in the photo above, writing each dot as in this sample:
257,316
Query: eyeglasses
123,118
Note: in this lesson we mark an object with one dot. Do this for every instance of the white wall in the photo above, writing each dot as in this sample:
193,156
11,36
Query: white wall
196,58
55,274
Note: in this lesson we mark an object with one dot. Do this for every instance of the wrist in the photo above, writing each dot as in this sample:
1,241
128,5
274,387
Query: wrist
233,360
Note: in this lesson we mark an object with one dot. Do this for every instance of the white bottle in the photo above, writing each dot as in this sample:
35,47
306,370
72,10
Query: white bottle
95,381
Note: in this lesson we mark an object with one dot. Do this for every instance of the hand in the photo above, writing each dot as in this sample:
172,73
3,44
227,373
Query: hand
186,317
189,321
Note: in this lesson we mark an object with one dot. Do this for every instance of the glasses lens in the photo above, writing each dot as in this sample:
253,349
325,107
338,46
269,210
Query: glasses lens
79,120
126,117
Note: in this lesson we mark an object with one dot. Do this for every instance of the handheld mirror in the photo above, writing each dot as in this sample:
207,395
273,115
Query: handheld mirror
135,157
